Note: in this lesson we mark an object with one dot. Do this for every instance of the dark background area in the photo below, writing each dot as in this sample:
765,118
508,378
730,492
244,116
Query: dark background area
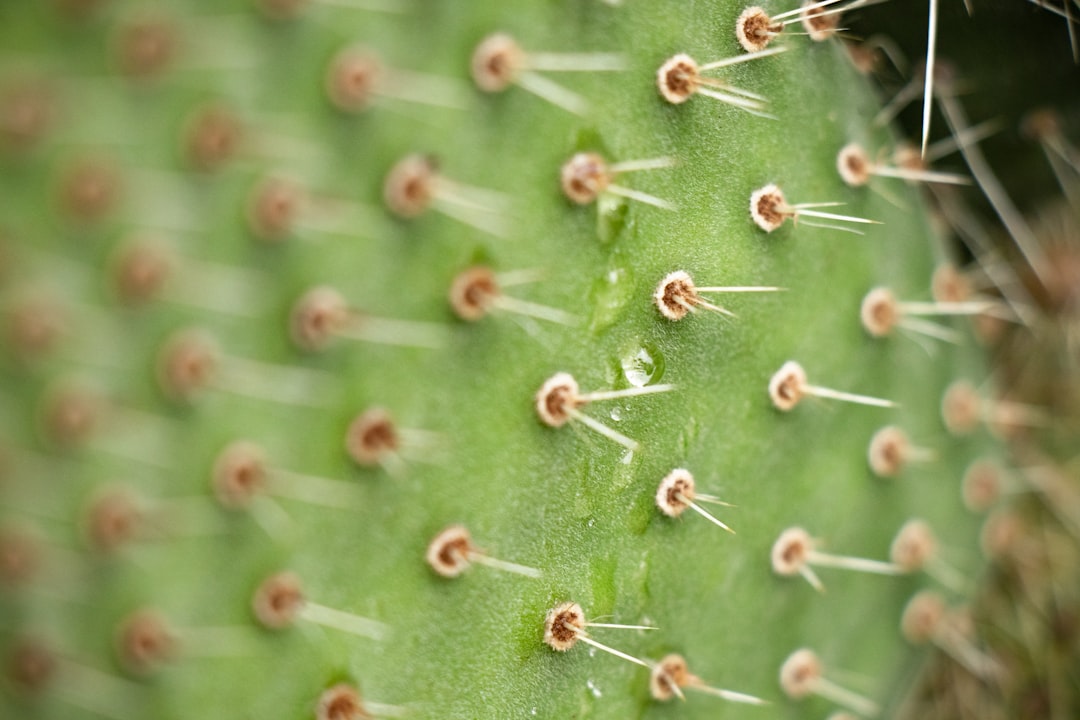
1009,56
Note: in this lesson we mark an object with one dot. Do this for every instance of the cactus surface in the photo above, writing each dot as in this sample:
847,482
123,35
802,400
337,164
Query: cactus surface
161,129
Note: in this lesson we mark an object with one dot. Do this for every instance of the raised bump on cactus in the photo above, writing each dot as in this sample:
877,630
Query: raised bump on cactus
856,169
187,365
789,385
26,114
821,24
587,175
891,451
140,270
279,602
558,400
30,666
794,553
680,78
963,408
477,291
949,285
213,136
54,675
915,548
72,414
146,269
755,28
676,295
190,364
356,78
499,62
90,189
1046,127
351,79
371,435
676,493
565,625
20,556
881,313
35,323
34,566
113,519
274,208
922,616
802,675
414,185
241,476
279,206
671,675
374,438
39,670
983,485
145,642
145,47
1003,538
341,702
769,209
322,314
117,516
926,618
451,552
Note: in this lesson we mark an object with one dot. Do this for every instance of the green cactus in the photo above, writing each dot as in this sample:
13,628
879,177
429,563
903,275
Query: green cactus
178,181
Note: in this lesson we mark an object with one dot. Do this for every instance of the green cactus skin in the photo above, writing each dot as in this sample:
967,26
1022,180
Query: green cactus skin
554,499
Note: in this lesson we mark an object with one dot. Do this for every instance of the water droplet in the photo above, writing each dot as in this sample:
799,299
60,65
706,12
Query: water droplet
609,295
611,214
593,689
643,366
616,414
